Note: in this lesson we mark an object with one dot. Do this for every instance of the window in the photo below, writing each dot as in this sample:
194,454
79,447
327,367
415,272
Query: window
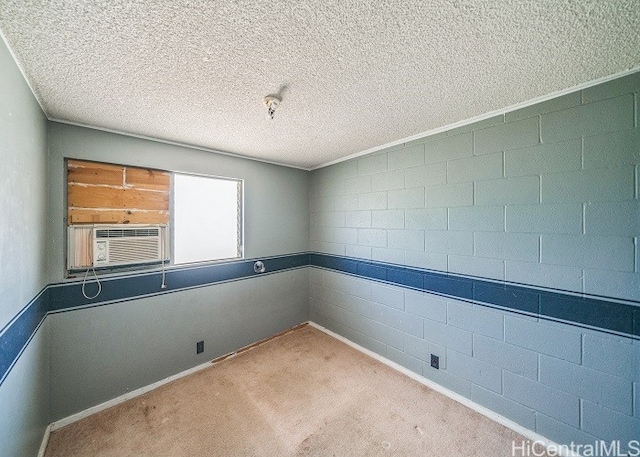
126,217
206,218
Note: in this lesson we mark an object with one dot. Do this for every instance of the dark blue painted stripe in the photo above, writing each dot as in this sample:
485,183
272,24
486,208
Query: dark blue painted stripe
595,312
405,277
448,285
600,313
372,271
589,311
335,263
67,296
18,333
507,296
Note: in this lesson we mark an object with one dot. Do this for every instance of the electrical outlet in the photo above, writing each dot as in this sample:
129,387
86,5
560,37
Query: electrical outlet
435,361
199,347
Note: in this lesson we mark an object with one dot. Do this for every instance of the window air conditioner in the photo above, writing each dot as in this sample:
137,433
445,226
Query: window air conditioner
113,245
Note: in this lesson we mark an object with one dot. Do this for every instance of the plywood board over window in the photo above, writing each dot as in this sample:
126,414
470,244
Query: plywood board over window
99,193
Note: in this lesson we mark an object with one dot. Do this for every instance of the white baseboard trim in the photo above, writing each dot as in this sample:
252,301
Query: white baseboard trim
45,441
122,398
142,390
528,434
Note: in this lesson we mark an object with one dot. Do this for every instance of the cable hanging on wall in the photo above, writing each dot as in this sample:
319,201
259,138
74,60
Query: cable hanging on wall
163,241
95,275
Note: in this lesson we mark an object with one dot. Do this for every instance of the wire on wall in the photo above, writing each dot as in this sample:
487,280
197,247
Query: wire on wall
84,283
86,273
163,242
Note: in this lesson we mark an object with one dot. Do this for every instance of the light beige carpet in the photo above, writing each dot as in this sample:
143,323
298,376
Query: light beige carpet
302,393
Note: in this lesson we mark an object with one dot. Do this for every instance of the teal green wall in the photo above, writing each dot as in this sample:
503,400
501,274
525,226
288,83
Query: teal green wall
23,191
275,197
545,196
477,188
101,353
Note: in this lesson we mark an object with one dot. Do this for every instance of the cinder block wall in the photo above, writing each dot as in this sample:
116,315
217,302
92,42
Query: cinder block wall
543,196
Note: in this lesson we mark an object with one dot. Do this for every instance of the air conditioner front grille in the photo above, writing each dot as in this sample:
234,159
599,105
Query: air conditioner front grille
110,245
132,250
127,232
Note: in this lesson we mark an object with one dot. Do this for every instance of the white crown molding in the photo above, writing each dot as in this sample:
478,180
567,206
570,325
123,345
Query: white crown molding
481,117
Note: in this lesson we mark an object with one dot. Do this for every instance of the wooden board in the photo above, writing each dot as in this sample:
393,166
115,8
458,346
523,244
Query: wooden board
147,179
99,193
94,173
92,216
114,198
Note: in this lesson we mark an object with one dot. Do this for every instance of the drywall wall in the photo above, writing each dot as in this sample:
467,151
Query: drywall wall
275,198
22,254
23,197
546,196
103,352
24,399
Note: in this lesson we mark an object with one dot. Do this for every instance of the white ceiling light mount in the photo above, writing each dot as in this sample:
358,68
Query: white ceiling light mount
271,102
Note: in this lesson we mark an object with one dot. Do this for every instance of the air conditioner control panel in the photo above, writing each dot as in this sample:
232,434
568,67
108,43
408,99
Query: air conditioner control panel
101,251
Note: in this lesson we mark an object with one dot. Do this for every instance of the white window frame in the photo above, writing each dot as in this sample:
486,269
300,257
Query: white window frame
169,233
240,219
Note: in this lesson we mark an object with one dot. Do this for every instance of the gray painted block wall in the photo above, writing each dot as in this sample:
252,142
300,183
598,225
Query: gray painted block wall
546,196
566,383
23,178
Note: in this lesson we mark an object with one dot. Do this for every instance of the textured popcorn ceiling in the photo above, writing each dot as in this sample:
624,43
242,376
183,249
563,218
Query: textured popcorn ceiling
353,75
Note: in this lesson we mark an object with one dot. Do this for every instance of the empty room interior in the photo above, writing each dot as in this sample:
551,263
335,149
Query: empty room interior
319,228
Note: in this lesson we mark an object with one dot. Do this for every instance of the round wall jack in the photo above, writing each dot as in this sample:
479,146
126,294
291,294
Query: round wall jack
271,102
259,267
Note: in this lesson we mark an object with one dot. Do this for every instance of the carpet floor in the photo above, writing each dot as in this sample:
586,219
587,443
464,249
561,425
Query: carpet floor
303,393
